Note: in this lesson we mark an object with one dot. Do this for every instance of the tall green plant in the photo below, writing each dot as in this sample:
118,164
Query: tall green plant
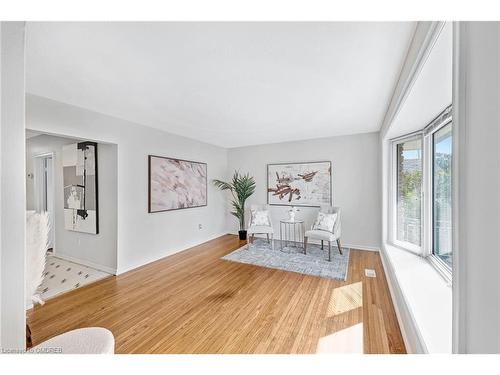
241,188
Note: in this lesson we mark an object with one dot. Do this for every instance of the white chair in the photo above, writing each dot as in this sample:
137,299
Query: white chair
254,229
37,238
324,235
37,235
91,340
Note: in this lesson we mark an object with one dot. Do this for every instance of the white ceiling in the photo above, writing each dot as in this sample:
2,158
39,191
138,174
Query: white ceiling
229,84
432,91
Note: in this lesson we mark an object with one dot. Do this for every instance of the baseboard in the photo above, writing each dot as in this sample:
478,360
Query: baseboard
175,251
87,263
352,246
348,245
411,334
361,247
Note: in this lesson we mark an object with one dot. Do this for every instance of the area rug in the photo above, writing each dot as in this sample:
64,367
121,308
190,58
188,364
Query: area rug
292,259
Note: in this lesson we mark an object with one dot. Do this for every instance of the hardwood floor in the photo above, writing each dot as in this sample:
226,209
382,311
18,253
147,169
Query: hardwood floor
193,302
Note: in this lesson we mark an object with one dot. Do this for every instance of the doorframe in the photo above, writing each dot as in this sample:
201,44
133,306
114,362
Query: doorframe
53,226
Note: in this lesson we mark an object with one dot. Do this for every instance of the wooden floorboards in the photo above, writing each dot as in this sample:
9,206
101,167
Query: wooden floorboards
194,302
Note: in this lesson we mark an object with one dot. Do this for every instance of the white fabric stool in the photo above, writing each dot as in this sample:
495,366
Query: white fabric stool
91,340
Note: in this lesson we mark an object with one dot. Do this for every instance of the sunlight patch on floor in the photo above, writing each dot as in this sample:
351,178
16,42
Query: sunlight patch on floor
345,298
349,340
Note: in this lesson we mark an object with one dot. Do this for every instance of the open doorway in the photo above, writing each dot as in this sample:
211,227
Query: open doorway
43,191
76,254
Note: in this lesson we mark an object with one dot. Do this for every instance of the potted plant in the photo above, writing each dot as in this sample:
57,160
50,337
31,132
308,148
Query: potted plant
241,188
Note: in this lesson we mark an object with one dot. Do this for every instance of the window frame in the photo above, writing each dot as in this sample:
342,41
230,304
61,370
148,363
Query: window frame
426,241
394,194
437,262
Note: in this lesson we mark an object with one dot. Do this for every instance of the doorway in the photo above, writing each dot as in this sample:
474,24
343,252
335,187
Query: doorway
75,258
43,183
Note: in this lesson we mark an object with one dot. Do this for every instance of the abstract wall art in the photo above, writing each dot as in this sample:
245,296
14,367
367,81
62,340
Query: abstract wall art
175,184
299,184
80,187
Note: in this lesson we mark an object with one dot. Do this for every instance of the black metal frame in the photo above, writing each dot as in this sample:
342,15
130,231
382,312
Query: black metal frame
83,213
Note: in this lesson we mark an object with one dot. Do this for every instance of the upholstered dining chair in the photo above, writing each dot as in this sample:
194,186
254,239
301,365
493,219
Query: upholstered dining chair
257,226
324,235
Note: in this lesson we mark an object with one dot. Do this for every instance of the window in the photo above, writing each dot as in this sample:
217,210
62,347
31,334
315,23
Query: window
441,194
422,192
409,191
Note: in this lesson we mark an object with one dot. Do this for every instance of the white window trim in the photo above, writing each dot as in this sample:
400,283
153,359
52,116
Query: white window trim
393,206
439,265
425,250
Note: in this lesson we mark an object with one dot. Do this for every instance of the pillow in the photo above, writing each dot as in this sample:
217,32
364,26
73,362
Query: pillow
325,222
261,217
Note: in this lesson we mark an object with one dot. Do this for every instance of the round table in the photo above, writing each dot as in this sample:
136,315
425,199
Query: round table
291,231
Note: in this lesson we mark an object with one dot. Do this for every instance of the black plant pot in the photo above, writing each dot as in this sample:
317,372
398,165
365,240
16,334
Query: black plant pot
243,235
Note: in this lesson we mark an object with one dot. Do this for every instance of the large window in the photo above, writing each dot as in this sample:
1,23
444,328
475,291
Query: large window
441,194
422,199
409,191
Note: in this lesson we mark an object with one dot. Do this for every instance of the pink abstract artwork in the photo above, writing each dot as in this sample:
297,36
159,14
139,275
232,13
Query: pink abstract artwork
176,184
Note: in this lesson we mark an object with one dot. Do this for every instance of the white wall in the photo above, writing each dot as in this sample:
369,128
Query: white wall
424,309
355,176
431,90
477,249
12,186
99,250
142,237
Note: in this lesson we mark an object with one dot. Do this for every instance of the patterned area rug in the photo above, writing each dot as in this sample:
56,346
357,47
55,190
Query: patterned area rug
61,276
315,263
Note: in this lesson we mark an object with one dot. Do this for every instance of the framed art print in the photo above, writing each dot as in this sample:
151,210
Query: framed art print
176,184
299,184
81,213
